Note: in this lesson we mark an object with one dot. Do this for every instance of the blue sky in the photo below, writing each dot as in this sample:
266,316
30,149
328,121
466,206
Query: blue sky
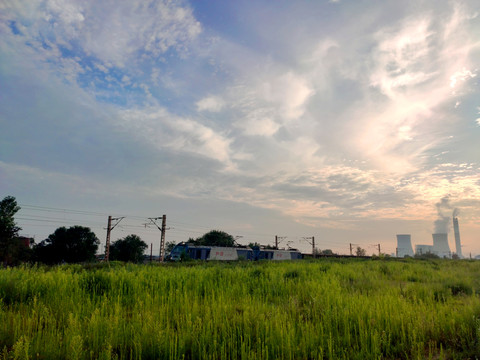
347,121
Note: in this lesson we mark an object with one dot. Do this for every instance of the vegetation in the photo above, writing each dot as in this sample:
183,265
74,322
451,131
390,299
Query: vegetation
73,245
215,238
12,250
130,248
360,251
328,308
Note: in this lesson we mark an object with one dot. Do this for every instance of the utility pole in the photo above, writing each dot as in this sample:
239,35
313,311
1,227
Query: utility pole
162,230
278,240
311,243
378,249
151,252
109,229
351,249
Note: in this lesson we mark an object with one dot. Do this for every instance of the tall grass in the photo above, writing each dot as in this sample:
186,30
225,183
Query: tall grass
328,309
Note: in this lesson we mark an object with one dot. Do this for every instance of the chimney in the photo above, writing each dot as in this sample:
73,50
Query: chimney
458,245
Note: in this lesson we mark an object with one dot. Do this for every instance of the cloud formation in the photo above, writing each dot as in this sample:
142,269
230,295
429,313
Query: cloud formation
330,123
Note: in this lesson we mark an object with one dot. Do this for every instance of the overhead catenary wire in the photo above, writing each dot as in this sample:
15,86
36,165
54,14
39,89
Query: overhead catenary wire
45,216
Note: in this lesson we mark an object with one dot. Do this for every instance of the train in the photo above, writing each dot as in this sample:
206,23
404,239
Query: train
201,252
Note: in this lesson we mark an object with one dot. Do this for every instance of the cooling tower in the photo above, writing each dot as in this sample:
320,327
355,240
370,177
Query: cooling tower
440,245
404,246
458,245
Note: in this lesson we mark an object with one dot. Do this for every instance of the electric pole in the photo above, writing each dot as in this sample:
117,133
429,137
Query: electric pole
351,249
162,231
378,249
311,243
109,229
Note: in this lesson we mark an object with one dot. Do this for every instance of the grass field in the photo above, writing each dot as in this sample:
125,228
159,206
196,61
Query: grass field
332,309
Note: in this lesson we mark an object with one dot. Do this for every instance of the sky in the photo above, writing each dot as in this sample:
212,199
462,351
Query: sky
346,121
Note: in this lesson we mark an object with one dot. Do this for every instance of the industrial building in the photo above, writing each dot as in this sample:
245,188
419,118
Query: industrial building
440,245
423,249
404,245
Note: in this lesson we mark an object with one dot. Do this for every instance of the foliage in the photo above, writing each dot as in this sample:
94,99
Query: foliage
215,238
328,308
256,245
73,245
12,251
169,246
427,255
131,248
327,252
360,251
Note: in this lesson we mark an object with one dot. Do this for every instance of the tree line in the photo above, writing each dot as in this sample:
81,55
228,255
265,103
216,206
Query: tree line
75,244
78,244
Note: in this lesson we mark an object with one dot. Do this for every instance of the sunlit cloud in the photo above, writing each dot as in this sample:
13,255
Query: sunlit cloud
331,123
210,103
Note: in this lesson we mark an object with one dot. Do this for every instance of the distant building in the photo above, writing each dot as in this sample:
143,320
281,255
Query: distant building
440,245
423,249
404,245
25,241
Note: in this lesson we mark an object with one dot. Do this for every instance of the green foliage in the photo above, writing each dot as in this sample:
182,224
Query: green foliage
326,252
12,250
215,238
328,308
257,245
427,255
169,246
360,251
73,245
131,248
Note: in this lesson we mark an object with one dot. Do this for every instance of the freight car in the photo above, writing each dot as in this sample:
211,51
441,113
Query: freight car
198,252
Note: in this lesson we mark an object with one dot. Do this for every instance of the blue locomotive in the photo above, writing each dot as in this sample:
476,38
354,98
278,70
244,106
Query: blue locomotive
200,252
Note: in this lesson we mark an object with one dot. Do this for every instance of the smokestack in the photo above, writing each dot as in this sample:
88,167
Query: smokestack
404,245
458,245
440,245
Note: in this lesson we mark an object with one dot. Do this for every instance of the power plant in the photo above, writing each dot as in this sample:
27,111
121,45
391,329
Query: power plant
404,245
458,245
440,245
423,249
440,237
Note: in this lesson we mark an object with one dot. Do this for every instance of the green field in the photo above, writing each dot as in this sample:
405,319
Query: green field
328,308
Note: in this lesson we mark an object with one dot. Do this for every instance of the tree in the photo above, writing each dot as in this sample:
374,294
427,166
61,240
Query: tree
215,238
360,251
130,248
73,245
327,252
169,246
10,247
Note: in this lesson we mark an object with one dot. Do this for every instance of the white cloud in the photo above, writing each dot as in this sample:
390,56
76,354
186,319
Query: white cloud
258,125
210,103
462,75
402,57
289,92
113,32
166,131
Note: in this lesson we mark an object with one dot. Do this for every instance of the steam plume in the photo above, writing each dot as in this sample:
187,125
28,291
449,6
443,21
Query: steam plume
444,209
